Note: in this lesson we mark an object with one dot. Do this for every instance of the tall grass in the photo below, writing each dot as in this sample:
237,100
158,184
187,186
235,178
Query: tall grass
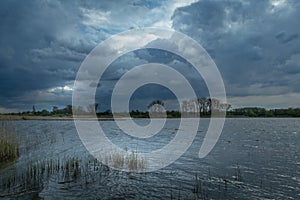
129,161
9,144
65,172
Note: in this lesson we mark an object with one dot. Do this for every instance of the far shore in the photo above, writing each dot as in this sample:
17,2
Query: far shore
47,118
70,118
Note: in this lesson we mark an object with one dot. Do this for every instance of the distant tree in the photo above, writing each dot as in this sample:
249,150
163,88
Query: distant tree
201,103
208,105
92,108
215,104
250,113
156,106
55,110
44,112
67,110
205,105
33,109
96,106
107,112
78,110
269,113
227,106
156,102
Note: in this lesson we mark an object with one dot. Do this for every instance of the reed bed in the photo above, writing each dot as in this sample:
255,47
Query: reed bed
73,172
66,171
9,144
35,175
128,161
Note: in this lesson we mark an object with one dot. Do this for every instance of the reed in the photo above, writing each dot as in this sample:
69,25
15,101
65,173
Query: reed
9,144
128,161
196,185
238,174
133,161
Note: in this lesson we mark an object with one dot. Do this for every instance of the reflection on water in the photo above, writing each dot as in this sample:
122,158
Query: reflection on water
254,159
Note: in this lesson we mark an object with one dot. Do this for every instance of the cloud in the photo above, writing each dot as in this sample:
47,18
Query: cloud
252,42
282,37
267,101
7,110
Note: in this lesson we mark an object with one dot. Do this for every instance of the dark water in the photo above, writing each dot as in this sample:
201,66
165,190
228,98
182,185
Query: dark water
253,159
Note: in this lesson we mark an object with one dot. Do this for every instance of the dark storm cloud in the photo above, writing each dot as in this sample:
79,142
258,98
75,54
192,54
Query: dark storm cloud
42,43
147,93
284,38
41,47
34,35
252,42
255,44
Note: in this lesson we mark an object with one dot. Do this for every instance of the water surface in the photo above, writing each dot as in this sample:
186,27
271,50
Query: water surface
254,159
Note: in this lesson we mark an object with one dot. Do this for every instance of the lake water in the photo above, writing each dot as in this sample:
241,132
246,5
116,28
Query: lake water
254,159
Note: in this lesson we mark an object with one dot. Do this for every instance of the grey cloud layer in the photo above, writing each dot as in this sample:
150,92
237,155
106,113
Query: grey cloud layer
254,43
42,43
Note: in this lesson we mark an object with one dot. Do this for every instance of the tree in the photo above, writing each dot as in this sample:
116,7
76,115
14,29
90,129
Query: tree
156,109
156,102
215,104
201,103
96,106
205,105
68,110
250,113
208,105
78,110
33,109
44,112
92,108
55,110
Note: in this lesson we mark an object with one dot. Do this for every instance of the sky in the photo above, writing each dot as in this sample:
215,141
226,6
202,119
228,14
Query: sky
254,43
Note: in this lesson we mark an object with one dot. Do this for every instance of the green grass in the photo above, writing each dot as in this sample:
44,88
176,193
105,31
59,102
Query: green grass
9,145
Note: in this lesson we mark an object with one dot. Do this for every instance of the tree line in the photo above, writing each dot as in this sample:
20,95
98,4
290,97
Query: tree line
202,107
262,112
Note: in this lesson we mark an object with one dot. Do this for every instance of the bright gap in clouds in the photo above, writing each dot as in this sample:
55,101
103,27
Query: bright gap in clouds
278,3
170,8
58,89
68,88
160,16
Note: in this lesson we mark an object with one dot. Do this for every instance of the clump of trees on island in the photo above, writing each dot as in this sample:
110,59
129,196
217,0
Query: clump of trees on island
203,106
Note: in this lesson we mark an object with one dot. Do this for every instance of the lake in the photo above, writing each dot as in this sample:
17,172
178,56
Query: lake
255,158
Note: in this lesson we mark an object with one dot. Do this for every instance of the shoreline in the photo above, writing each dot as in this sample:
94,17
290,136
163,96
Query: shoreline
52,118
47,118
